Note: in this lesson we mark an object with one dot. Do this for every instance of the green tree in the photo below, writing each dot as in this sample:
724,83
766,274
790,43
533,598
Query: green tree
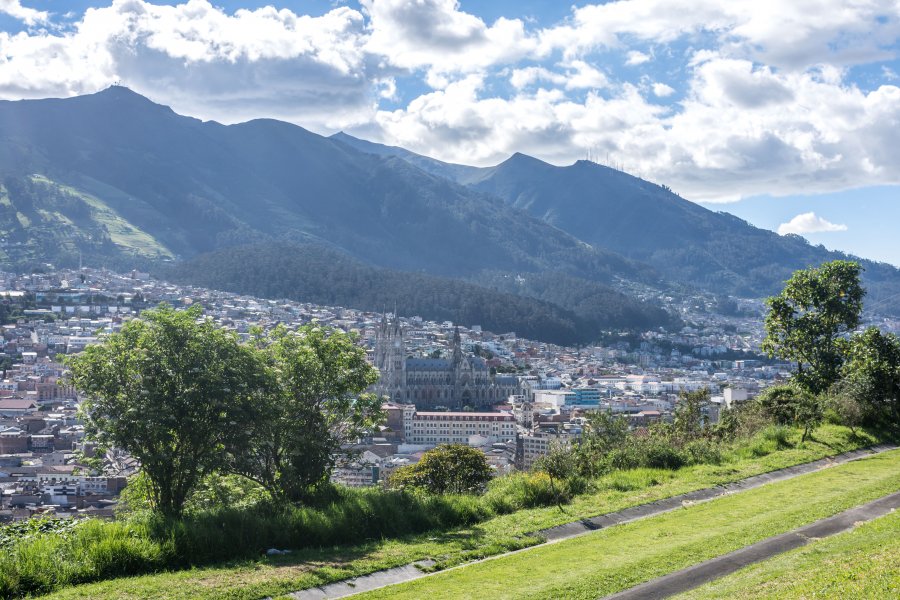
792,405
845,405
447,469
806,320
173,390
315,405
559,465
602,432
689,421
871,375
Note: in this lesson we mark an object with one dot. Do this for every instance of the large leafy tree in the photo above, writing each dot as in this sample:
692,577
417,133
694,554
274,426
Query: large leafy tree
174,391
871,376
807,320
315,405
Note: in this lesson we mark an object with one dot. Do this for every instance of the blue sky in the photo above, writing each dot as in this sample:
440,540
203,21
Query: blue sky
785,114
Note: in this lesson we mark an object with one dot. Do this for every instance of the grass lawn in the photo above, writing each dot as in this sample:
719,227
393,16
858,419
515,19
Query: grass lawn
620,557
863,563
269,577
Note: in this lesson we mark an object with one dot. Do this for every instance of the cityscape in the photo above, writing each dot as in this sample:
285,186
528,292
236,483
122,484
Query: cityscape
449,299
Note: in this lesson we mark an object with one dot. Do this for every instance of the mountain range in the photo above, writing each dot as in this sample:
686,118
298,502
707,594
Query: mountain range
121,181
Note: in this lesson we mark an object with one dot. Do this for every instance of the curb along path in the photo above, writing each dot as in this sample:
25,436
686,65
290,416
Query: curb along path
379,579
716,568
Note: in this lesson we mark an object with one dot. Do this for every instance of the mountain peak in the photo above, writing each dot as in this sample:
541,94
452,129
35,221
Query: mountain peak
123,96
523,160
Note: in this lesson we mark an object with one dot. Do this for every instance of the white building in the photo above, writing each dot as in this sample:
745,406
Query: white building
434,428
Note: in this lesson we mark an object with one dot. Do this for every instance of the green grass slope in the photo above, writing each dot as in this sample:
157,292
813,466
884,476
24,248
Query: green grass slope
312,567
43,220
862,563
617,558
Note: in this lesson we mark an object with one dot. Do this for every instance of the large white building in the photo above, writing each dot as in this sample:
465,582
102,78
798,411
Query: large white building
475,428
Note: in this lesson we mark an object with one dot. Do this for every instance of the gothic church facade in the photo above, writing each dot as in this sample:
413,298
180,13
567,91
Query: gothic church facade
430,383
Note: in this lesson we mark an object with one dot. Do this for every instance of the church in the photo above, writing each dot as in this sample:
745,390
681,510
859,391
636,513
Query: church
432,383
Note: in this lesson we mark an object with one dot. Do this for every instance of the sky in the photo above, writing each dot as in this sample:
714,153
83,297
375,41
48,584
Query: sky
784,113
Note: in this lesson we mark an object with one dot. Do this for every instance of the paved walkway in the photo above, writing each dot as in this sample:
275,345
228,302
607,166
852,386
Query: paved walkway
716,568
566,531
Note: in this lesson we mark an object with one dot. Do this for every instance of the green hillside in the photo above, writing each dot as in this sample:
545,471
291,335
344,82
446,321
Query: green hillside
311,273
44,221
617,558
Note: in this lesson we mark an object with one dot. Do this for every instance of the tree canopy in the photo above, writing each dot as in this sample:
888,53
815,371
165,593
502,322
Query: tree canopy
314,406
187,399
806,320
174,391
871,376
447,469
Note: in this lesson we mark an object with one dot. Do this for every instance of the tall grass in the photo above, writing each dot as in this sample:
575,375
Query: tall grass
145,543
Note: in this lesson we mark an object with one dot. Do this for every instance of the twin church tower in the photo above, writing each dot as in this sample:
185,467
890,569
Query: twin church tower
454,383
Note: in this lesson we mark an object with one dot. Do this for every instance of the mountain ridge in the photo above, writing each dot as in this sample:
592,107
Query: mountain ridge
649,223
119,179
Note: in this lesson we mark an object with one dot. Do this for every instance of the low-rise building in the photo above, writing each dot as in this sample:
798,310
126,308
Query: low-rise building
434,428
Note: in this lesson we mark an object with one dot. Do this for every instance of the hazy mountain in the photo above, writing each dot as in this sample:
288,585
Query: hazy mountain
189,187
122,181
647,222
684,241
454,172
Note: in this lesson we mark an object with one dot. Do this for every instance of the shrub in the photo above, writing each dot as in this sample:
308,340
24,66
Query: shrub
450,468
659,453
701,452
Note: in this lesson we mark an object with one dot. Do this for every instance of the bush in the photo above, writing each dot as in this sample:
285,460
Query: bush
702,452
450,468
653,451
520,490
658,453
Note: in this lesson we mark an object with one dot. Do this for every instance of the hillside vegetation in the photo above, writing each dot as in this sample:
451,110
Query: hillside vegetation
43,221
563,311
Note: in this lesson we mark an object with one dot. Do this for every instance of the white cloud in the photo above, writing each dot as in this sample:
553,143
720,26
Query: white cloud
809,223
582,75
636,57
435,35
740,130
795,34
203,61
29,16
522,78
661,90
578,75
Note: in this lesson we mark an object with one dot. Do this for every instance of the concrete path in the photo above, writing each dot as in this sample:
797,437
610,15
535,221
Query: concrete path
566,531
716,568
366,583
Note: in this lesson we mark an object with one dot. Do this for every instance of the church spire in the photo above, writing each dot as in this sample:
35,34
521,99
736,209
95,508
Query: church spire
457,346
